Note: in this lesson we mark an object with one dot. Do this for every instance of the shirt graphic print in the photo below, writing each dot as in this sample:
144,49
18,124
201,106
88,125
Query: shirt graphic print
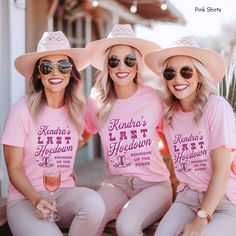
190,152
128,137
53,146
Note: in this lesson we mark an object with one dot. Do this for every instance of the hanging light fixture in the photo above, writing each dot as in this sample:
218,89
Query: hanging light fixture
164,5
134,6
95,3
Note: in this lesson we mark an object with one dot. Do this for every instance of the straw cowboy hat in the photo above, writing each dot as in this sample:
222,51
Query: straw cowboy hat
121,34
186,46
52,43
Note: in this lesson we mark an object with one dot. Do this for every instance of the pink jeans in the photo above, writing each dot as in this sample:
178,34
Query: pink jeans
135,203
80,209
184,211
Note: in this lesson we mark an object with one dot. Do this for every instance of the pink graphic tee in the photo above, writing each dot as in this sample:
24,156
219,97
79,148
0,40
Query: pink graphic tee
129,137
191,144
50,141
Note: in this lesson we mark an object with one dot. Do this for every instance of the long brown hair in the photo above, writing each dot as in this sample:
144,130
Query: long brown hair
74,97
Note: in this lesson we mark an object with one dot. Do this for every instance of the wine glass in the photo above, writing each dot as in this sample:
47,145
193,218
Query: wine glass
52,181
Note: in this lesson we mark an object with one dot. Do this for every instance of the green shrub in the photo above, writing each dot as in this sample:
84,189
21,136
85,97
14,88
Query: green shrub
227,87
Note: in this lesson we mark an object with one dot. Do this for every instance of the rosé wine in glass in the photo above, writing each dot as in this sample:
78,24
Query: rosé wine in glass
52,181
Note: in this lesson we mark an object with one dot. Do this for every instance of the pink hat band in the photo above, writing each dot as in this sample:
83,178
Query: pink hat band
54,41
184,41
122,31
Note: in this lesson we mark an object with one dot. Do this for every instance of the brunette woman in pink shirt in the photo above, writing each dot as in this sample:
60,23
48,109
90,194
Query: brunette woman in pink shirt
126,113
43,130
200,130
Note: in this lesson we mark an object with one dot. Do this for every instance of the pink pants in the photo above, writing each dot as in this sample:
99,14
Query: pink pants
135,203
184,211
80,209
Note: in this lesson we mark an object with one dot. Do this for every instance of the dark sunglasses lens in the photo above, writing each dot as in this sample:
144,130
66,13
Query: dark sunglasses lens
169,74
113,61
64,67
186,72
45,68
130,60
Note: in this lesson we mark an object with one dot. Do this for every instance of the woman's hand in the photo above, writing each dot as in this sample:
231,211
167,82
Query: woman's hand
44,208
195,228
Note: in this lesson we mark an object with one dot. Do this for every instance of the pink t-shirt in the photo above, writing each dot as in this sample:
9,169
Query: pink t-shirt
129,137
50,141
190,144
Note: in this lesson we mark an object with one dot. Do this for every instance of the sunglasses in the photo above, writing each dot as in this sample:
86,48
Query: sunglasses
46,67
186,72
130,60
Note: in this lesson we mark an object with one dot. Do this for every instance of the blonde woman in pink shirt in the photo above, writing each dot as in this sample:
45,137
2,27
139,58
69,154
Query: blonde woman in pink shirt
42,131
125,113
200,130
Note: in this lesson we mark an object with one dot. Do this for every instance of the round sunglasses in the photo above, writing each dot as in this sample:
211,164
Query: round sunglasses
130,60
46,67
186,72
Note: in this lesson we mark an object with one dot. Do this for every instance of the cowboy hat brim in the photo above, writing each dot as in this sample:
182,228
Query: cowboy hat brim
25,64
99,48
209,58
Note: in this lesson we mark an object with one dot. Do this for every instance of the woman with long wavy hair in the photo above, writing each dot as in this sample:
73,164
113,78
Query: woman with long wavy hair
199,126
126,113
42,133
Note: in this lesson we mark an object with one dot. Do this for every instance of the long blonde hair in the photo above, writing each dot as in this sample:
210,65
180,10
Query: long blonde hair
104,91
74,97
205,88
